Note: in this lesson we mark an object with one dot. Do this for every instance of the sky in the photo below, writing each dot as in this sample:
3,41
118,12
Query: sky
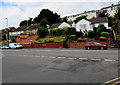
15,11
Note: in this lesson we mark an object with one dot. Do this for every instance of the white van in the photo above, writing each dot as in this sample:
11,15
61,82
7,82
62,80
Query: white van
15,45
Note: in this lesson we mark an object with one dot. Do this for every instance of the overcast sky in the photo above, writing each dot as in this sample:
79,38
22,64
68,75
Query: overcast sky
18,10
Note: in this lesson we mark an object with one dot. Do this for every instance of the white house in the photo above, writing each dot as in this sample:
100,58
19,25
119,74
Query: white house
64,24
90,24
83,25
60,25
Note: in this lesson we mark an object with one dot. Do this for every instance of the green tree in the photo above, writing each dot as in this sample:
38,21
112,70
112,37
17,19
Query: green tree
79,34
95,30
101,28
49,15
35,20
30,21
23,23
4,36
44,22
91,34
64,19
42,31
111,21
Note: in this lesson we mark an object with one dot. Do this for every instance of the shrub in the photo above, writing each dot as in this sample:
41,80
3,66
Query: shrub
91,34
101,28
72,37
68,31
105,34
56,32
79,34
42,31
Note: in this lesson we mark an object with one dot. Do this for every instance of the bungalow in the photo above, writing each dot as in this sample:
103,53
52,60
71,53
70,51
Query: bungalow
60,25
90,24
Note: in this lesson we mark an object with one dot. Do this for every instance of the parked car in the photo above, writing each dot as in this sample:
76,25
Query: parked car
12,45
15,45
92,45
4,47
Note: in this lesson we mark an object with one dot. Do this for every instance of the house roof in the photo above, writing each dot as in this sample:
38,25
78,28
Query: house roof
12,29
98,20
23,28
55,25
35,26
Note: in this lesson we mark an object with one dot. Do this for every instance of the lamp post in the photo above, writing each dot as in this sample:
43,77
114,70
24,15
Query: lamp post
7,31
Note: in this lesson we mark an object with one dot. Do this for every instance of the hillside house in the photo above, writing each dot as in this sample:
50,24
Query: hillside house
90,24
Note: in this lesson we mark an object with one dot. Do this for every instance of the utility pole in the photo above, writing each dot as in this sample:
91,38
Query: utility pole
7,31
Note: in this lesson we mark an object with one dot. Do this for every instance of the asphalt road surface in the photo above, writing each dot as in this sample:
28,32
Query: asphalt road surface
59,65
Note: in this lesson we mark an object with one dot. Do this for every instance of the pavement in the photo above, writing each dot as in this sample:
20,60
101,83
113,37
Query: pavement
59,65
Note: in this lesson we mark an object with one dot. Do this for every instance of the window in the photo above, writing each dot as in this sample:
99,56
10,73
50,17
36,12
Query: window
83,26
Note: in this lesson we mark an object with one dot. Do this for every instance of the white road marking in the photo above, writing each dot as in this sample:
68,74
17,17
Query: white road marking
83,58
95,59
61,57
71,58
51,57
86,59
109,60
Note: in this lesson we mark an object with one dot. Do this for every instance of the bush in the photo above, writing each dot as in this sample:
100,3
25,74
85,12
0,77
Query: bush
42,31
72,37
68,31
56,32
79,34
101,28
91,34
105,34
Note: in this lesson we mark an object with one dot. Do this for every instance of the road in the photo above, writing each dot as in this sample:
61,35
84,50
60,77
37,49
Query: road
59,65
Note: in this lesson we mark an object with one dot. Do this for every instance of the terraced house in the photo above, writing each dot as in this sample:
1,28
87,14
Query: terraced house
25,34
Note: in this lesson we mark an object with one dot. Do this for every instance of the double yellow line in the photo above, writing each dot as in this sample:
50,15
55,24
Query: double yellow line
115,81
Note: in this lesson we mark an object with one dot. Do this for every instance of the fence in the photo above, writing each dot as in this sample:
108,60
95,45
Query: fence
59,45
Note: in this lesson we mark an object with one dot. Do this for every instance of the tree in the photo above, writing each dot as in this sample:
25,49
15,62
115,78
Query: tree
79,18
79,34
64,19
69,31
101,28
91,34
23,23
44,22
111,21
95,30
35,20
49,16
42,31
30,21
4,36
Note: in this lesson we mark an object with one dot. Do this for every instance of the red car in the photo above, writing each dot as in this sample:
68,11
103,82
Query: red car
93,45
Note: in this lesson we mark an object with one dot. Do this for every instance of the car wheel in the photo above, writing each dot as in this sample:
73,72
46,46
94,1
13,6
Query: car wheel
102,48
88,48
